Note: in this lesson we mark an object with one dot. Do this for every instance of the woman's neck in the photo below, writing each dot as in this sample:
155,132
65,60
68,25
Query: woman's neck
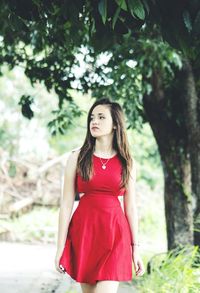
104,147
104,152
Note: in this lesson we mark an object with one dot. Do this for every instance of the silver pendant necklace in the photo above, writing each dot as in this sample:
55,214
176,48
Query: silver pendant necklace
103,164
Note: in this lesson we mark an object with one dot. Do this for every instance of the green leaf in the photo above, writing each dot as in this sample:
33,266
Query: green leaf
146,5
122,4
102,6
25,103
136,8
187,20
115,17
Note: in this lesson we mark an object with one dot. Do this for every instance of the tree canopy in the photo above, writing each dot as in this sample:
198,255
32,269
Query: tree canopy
47,37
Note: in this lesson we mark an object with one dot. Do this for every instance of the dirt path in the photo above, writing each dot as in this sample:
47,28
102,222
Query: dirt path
30,268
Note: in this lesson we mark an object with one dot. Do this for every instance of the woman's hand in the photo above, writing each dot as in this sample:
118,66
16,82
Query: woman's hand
138,264
57,259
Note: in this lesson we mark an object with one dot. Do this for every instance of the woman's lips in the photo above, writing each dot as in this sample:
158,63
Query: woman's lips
95,128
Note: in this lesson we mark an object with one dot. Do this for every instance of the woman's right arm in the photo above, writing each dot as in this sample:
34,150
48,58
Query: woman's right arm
66,204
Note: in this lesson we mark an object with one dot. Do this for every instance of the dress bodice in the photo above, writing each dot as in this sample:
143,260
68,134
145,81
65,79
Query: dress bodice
104,181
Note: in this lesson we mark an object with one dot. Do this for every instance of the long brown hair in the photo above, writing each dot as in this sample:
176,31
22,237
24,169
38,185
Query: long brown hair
120,143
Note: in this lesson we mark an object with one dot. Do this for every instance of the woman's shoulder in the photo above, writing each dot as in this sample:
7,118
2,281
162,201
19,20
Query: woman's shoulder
76,150
72,159
74,153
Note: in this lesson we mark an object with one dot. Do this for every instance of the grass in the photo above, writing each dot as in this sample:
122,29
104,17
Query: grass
174,272
37,226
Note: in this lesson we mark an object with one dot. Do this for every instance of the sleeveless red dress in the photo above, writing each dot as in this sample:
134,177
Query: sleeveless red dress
98,243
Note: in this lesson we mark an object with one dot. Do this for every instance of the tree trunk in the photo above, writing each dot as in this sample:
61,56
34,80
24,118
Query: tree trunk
193,125
164,111
178,207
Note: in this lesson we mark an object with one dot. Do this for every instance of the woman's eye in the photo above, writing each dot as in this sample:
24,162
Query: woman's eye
100,117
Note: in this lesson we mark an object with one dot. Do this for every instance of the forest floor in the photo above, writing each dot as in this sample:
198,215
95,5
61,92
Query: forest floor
30,268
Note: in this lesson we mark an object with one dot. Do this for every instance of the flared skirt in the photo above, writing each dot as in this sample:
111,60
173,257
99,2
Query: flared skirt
98,243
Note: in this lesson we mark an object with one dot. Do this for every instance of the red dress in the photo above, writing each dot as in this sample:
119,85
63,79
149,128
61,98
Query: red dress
98,243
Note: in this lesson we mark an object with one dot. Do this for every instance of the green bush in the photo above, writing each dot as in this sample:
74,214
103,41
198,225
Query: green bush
178,271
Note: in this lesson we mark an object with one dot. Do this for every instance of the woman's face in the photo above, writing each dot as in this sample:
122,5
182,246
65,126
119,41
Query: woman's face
101,119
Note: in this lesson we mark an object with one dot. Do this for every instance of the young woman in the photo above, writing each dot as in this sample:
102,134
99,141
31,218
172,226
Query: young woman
97,245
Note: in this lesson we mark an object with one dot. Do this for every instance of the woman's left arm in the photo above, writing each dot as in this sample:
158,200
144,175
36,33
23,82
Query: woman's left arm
130,210
130,206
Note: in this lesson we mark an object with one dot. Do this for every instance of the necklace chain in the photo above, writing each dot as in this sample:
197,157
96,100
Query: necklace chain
103,164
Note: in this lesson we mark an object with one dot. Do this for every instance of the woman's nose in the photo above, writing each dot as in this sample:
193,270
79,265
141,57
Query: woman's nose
94,121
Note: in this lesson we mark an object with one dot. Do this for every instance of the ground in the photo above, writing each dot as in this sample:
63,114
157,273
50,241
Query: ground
30,268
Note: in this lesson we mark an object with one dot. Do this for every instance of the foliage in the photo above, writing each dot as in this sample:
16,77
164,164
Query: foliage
181,32
64,118
174,272
46,37
127,72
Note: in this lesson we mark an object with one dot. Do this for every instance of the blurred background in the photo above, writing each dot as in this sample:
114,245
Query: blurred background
56,59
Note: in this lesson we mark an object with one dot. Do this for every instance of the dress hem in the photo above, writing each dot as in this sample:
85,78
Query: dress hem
99,279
